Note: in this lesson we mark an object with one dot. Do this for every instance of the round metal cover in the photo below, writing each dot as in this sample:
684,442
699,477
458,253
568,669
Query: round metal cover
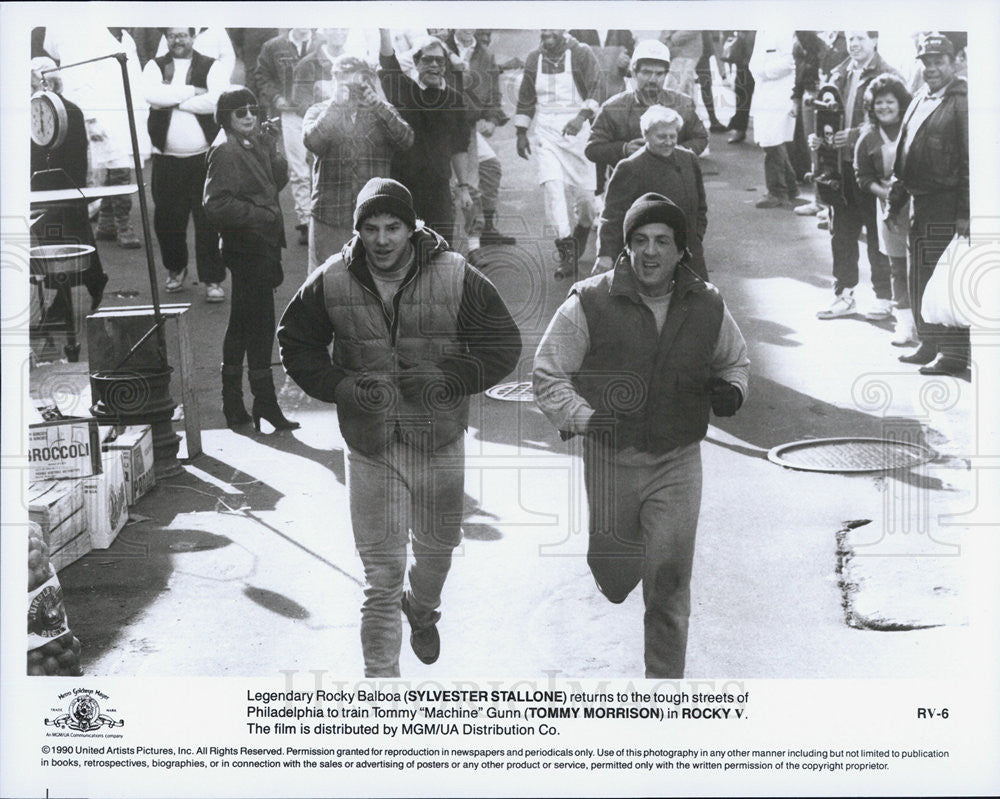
512,392
849,454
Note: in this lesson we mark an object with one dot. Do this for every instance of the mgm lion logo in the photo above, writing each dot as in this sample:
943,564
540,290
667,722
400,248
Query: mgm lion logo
84,715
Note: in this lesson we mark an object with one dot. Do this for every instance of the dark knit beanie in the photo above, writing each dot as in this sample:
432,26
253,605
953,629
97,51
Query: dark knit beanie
384,196
229,101
652,207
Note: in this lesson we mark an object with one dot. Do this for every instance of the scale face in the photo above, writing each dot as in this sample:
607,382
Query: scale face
48,119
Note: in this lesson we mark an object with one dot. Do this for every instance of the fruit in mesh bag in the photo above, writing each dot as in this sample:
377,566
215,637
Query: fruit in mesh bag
39,568
61,655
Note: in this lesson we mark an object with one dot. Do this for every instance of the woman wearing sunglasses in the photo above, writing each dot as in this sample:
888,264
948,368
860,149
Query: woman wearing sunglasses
245,173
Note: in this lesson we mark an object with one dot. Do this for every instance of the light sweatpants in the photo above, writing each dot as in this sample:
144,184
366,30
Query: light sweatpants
643,519
402,491
299,176
560,198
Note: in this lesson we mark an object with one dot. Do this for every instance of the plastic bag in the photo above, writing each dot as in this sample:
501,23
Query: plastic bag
938,304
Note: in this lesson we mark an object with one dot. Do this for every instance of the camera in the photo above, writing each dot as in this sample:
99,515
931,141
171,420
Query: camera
271,127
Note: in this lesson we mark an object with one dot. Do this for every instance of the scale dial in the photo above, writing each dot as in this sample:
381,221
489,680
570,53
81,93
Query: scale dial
48,119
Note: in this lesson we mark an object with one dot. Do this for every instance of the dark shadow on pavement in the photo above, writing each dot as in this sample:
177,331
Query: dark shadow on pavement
109,589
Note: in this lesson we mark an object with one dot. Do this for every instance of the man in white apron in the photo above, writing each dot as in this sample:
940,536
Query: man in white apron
562,90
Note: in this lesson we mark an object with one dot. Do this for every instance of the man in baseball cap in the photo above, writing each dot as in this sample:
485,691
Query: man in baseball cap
931,182
633,361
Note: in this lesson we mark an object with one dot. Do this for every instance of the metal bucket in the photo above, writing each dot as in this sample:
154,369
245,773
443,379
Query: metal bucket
132,395
59,259
140,397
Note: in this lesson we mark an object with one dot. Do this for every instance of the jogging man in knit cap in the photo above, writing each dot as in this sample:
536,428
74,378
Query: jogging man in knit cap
632,361
415,331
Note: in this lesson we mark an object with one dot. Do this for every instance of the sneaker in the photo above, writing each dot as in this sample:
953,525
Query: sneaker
842,305
809,209
717,127
881,309
128,240
737,136
214,293
798,202
175,280
424,636
769,201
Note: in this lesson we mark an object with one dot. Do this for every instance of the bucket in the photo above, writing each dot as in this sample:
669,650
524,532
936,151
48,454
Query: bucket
58,259
132,395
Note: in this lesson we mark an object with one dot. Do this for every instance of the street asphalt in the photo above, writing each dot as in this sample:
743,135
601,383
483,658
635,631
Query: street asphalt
244,564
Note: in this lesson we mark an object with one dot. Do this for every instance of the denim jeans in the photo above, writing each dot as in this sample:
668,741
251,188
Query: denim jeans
646,511
400,491
847,222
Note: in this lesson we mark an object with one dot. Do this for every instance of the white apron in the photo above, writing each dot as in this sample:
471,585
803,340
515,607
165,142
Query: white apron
892,244
556,103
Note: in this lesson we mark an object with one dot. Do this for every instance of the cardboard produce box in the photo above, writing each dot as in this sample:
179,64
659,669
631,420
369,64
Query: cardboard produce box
135,442
64,448
56,506
105,501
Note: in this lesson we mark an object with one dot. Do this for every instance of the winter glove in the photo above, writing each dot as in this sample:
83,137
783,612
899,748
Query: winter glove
426,384
523,145
725,397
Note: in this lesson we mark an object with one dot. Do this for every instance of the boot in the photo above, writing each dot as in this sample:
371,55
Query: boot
568,258
490,234
906,330
265,403
232,396
127,238
924,354
106,230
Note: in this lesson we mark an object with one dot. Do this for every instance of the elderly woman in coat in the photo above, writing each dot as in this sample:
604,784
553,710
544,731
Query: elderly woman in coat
662,167
245,173
773,110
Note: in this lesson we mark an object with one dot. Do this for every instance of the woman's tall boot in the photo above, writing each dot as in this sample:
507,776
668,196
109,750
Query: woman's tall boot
232,396
265,402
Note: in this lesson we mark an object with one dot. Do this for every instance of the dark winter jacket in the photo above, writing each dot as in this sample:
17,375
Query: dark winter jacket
677,177
445,312
274,73
242,183
617,123
839,77
938,157
440,130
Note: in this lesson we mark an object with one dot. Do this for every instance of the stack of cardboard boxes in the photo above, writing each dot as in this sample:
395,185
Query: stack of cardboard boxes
84,477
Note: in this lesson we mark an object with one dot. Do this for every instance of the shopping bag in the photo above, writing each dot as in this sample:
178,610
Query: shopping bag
938,305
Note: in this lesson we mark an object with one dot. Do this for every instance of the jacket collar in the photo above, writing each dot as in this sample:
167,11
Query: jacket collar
875,67
623,282
426,244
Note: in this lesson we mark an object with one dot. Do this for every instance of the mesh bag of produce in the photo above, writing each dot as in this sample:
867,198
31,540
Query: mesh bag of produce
52,647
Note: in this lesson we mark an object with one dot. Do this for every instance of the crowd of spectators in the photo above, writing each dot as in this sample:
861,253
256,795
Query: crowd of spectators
604,115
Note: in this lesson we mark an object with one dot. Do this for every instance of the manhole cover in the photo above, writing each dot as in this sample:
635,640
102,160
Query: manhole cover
849,455
511,392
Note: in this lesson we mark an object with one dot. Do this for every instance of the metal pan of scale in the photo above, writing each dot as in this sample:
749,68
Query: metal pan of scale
57,259
850,455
